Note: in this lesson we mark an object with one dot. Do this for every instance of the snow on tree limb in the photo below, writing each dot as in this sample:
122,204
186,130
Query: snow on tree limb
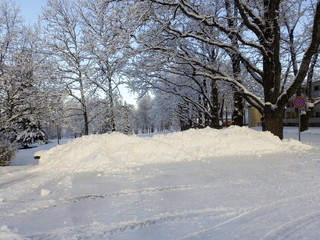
254,26
304,67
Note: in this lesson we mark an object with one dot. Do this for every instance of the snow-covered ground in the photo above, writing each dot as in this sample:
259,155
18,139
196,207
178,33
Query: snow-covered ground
236,183
26,156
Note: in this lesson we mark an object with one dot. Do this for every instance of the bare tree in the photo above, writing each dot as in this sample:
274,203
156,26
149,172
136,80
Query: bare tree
258,34
106,36
64,44
161,66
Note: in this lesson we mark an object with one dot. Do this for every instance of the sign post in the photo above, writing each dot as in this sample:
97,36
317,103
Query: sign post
299,102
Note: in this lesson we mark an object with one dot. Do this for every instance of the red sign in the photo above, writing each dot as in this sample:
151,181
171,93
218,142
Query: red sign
299,102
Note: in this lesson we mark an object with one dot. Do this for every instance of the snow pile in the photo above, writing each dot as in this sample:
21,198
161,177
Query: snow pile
109,152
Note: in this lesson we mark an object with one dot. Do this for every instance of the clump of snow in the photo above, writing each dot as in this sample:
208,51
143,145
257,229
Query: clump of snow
116,151
44,192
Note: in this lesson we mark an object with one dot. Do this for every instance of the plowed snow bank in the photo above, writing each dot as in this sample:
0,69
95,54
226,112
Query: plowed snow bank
116,151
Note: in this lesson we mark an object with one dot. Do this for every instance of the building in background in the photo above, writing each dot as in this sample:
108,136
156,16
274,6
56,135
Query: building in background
253,116
291,113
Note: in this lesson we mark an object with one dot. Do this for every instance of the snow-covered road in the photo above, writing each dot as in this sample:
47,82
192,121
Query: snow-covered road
268,196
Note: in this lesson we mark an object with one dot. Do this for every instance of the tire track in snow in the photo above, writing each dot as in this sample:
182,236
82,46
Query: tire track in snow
240,217
142,191
51,203
15,181
246,217
104,231
285,230
170,217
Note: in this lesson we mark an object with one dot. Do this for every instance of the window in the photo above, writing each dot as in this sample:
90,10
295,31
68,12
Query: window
316,88
317,114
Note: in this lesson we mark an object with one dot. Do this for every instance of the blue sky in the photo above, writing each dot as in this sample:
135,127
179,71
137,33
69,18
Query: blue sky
30,9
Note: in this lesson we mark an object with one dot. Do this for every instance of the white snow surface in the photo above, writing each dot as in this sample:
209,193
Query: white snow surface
235,183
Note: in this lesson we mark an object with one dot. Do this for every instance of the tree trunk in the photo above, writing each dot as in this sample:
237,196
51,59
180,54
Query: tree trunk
214,123
206,116
221,110
84,104
86,122
111,106
273,121
305,117
201,114
238,112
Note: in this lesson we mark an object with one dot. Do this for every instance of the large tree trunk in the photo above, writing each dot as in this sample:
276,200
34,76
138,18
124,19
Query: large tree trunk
273,114
273,121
